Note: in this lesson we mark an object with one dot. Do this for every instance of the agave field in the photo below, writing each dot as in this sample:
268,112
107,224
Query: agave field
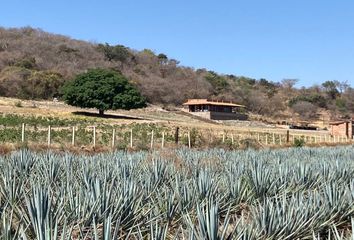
300,193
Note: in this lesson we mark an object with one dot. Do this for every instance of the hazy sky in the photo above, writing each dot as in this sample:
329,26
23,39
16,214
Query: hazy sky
312,40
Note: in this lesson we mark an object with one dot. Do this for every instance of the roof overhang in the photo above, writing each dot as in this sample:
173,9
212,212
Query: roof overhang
207,102
340,122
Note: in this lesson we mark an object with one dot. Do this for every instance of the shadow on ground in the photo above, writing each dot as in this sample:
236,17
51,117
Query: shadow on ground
109,116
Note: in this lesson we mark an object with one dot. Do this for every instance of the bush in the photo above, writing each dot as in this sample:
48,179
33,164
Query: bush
18,104
315,99
299,142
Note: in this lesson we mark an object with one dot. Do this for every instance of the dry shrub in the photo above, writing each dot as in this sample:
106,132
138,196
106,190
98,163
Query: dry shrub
6,148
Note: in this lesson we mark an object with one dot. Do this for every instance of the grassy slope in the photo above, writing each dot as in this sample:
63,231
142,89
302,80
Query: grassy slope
152,114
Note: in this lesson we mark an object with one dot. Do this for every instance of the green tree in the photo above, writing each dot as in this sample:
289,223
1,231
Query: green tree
102,89
117,53
331,89
162,58
218,82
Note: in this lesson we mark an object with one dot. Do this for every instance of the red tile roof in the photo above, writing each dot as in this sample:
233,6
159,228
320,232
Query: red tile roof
215,103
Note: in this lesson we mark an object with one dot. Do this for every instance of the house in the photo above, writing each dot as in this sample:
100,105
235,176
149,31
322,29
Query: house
342,128
216,110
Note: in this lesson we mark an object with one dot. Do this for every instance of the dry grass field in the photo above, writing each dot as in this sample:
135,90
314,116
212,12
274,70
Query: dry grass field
151,114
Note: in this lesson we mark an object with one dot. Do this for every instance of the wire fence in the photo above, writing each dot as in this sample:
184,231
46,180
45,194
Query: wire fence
157,138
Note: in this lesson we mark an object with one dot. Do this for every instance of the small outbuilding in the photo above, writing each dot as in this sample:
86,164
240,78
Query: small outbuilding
342,128
216,110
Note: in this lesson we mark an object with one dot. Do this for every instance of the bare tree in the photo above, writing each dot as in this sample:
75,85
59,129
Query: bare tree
289,83
306,110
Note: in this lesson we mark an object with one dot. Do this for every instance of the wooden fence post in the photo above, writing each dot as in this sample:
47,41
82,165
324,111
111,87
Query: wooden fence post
280,143
73,137
258,137
273,138
152,139
113,137
23,133
131,138
232,139
266,139
223,137
189,139
94,136
287,136
177,135
49,137
163,140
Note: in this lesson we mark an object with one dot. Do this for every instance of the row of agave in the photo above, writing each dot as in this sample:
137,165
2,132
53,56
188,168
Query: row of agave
300,193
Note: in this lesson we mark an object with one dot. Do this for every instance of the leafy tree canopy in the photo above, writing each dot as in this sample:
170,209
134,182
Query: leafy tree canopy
218,82
102,89
331,88
117,53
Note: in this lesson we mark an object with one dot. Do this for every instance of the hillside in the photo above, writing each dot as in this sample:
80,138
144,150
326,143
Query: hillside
34,64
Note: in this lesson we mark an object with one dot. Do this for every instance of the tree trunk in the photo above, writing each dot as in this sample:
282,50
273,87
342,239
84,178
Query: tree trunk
100,112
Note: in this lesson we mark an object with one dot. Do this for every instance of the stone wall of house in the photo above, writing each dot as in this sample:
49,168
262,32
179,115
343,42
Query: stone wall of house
202,114
227,116
342,129
221,115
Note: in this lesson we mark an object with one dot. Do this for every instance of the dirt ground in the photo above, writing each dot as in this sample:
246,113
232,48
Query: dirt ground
151,114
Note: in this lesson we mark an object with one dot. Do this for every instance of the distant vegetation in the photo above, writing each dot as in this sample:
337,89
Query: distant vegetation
35,64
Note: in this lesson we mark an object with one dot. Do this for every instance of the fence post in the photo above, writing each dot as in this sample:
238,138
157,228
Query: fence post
287,136
176,135
23,133
189,139
113,137
73,137
94,136
280,143
232,139
152,139
131,138
258,137
223,137
163,140
49,132
273,138
266,139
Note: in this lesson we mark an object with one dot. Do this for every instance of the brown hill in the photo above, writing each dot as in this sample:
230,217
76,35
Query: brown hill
34,64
